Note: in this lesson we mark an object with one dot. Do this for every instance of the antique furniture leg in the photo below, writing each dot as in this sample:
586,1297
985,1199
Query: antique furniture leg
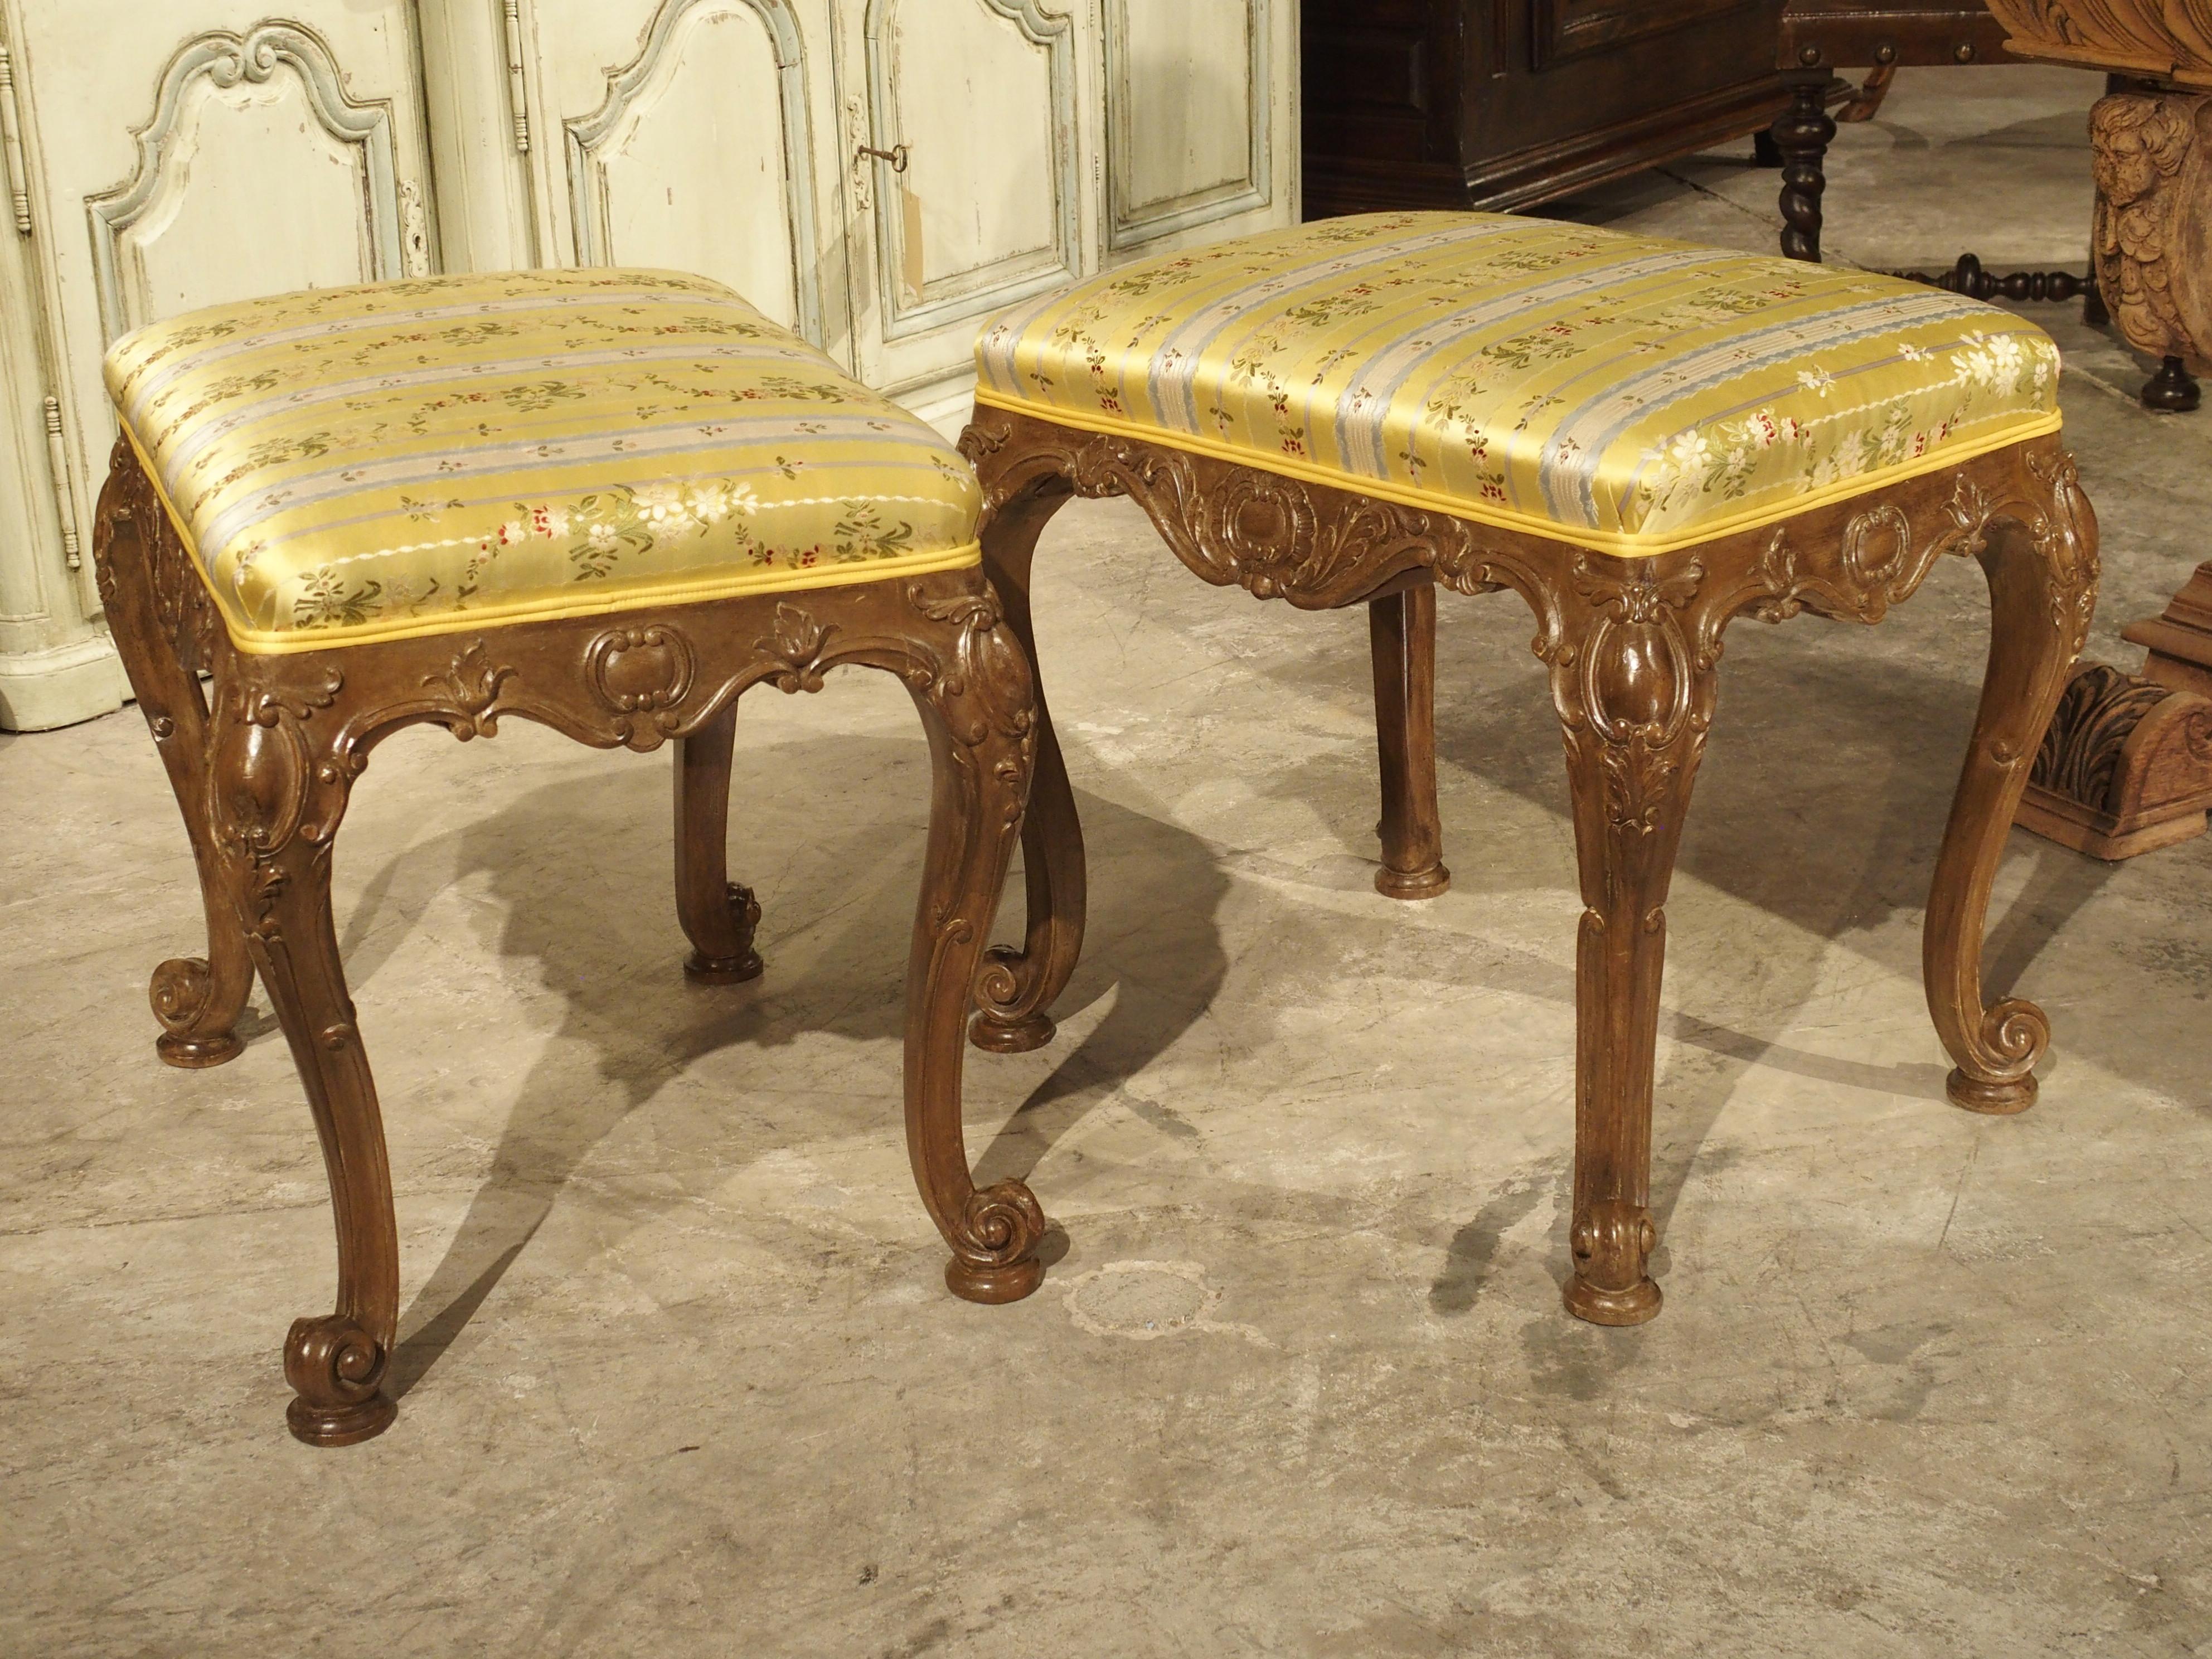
2041,556
2126,767
2173,390
1635,700
140,564
981,756
335,1362
719,916
2179,639
1803,134
1402,639
1017,988
655,595
281,782
1969,276
1270,421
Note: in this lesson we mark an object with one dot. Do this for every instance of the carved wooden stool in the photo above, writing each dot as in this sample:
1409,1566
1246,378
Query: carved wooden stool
610,502
1643,439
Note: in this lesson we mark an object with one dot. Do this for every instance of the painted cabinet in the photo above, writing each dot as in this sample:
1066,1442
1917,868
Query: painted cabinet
878,175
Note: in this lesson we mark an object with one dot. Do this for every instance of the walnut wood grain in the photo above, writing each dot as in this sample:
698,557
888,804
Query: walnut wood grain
718,915
265,773
1402,642
1633,648
1018,986
197,999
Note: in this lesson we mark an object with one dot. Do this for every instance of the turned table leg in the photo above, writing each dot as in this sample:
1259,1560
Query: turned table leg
719,916
1802,135
1402,639
1018,988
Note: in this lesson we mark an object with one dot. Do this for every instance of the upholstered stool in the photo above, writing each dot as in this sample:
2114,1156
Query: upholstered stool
610,501
1645,439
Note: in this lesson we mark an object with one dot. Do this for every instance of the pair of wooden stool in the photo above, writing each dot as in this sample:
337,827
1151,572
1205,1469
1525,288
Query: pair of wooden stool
613,501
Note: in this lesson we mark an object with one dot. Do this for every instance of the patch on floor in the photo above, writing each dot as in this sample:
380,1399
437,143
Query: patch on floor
1141,1300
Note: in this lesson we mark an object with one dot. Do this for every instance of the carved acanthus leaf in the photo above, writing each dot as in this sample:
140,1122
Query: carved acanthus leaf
796,645
472,683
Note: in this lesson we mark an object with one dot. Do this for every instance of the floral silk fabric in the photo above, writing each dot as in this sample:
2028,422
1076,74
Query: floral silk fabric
420,457
1625,393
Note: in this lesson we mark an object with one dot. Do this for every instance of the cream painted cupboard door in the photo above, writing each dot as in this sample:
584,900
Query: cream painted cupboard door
1201,120
197,151
694,135
979,103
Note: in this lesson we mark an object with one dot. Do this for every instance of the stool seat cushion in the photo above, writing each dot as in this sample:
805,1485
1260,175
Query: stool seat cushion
1628,394
422,457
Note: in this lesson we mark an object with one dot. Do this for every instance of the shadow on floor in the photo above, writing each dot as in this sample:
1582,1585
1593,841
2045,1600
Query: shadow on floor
601,928
1822,801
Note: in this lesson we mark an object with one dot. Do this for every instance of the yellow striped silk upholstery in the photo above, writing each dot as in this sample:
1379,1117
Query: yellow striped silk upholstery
1621,392
417,458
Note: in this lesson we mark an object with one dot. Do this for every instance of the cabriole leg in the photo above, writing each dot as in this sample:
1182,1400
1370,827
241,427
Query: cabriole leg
719,916
335,1362
197,999
2043,585
980,719
1401,632
279,789
1017,988
1635,697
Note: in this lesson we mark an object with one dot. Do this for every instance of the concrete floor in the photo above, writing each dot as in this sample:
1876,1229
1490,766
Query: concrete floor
681,1378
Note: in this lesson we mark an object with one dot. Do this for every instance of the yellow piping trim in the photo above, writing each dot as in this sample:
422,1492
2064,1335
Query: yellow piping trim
1615,542
291,642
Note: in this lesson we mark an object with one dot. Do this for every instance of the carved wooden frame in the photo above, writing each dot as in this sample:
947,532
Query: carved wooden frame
1633,647
263,760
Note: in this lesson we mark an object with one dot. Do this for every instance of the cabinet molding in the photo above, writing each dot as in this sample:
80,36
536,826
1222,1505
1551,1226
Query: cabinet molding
1132,219
11,146
592,138
518,81
936,302
225,60
64,483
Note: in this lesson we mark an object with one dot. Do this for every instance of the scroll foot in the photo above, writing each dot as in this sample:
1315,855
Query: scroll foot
1012,1036
994,1246
1610,1246
2002,1098
336,1370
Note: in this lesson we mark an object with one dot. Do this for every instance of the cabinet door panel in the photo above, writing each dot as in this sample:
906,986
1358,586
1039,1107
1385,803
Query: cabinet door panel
204,151
1186,113
698,152
250,165
980,96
